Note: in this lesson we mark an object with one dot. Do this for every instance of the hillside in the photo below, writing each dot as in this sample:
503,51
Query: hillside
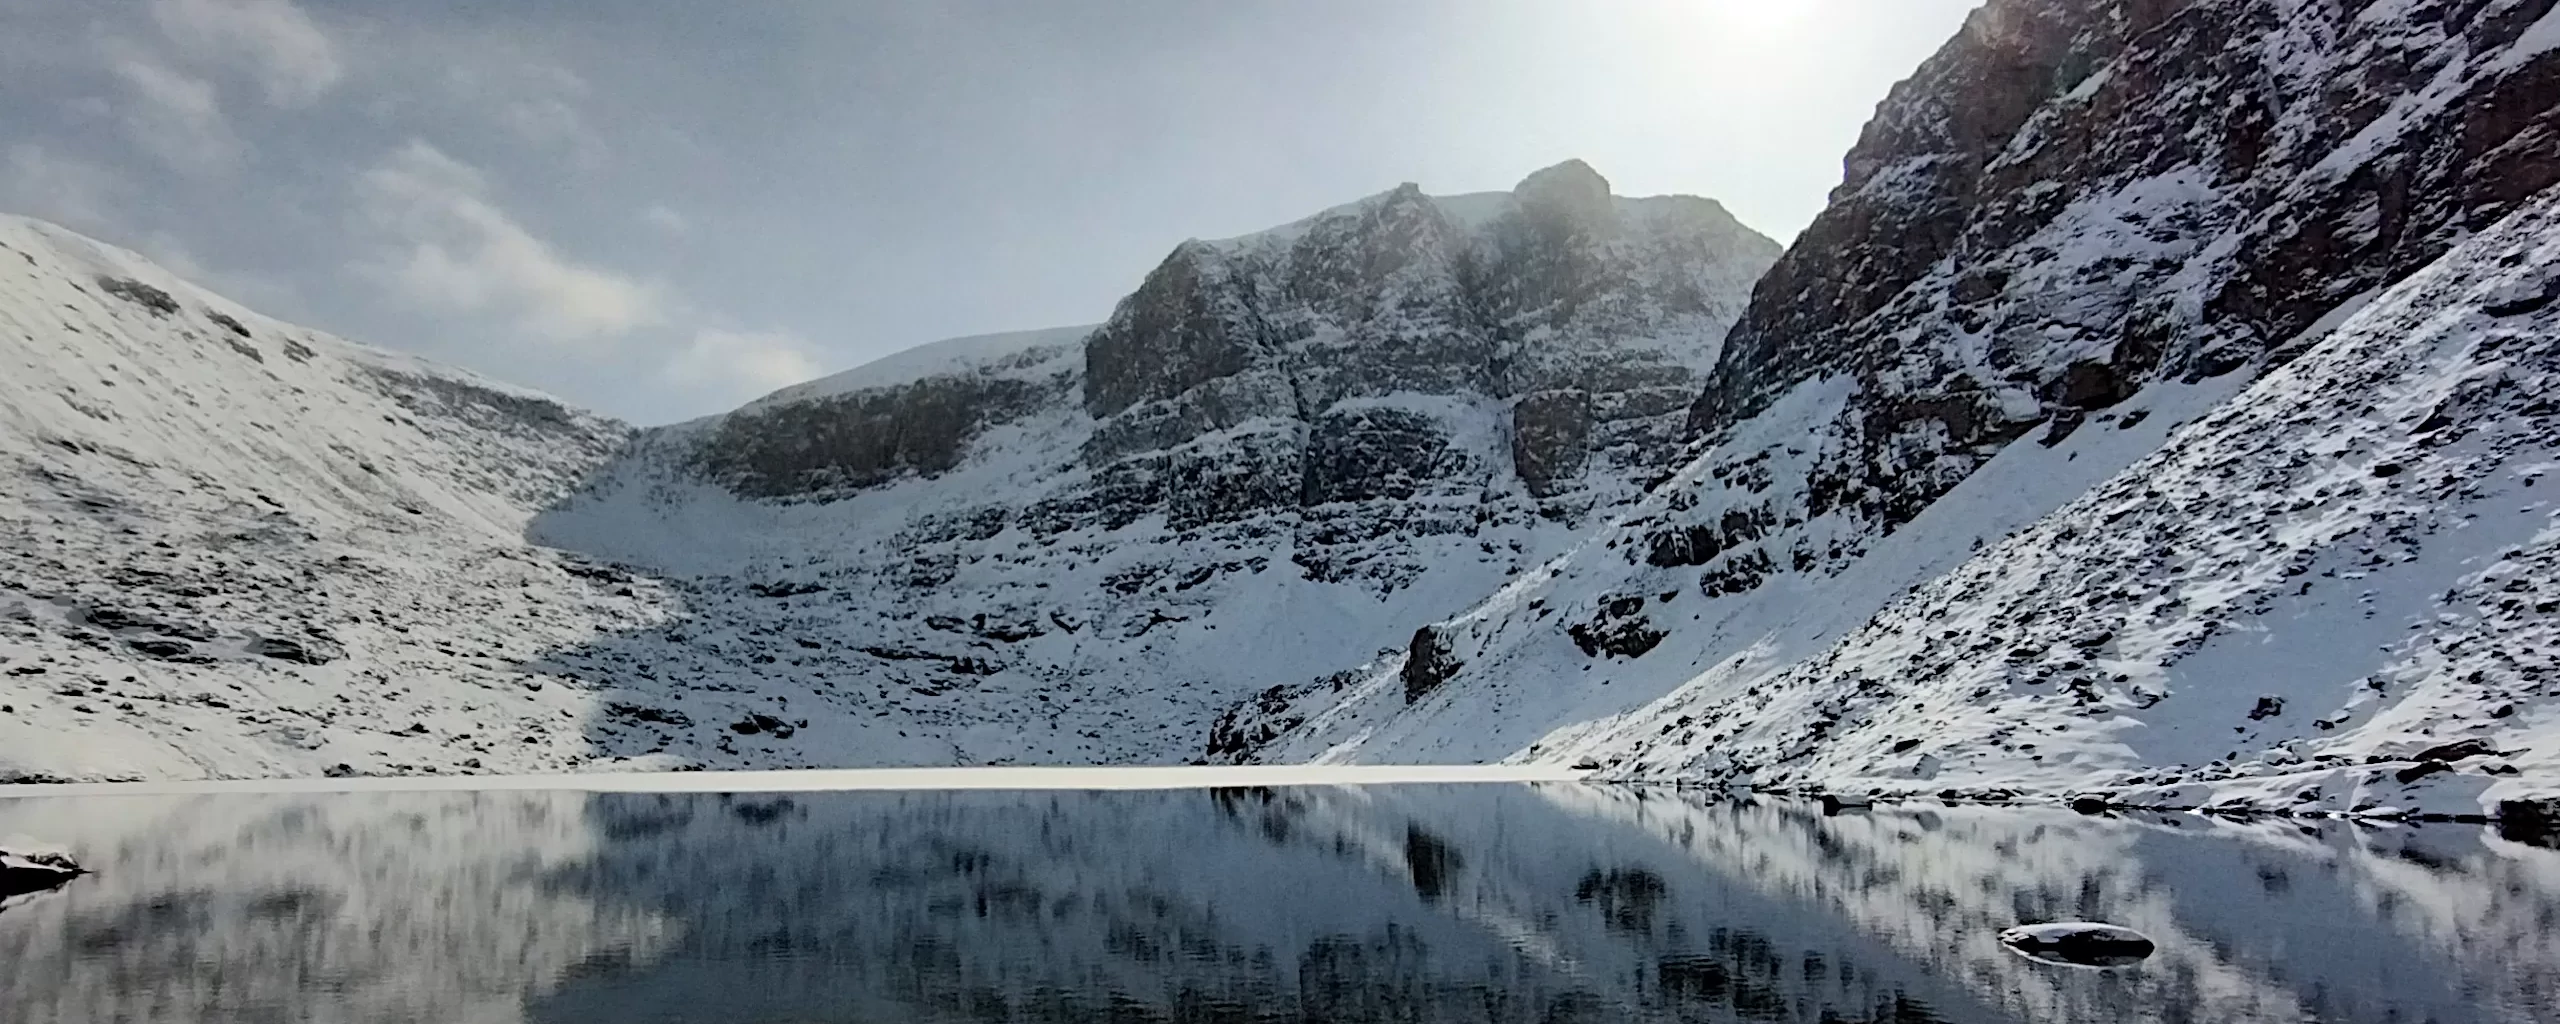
241,548
2126,316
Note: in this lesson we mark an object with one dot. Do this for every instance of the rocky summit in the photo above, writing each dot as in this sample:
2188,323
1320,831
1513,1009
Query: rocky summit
1358,355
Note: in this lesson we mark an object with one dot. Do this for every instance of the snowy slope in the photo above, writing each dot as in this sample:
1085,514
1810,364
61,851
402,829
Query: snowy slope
2075,285
1020,352
261,551
237,547
2311,583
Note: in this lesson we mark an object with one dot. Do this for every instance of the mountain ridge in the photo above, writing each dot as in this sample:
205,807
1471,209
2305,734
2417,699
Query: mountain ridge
525,604
1346,422
2149,360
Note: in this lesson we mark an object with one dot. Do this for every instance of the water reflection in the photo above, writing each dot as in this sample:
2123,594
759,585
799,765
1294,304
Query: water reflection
1484,903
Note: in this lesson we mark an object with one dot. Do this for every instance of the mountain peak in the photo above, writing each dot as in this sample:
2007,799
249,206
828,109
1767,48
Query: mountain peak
1571,176
1571,187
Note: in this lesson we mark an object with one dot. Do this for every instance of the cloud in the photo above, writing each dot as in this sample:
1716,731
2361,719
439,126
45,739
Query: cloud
449,247
547,121
94,201
665,218
265,293
527,96
172,115
734,366
65,190
272,41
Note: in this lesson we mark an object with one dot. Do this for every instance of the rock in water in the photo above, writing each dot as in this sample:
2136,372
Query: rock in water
34,871
2078,943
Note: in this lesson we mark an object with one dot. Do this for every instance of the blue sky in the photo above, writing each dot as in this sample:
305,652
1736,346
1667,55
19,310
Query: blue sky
661,208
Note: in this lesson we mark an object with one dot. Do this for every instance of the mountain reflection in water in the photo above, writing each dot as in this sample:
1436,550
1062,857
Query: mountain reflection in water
1478,903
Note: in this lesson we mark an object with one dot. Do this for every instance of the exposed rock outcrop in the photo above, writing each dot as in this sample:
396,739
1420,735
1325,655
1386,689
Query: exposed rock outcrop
2075,197
27,871
1278,455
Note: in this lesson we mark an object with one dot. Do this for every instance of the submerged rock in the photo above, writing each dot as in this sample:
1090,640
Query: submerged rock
2078,943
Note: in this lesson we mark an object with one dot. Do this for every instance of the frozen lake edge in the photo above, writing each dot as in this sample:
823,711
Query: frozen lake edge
823,780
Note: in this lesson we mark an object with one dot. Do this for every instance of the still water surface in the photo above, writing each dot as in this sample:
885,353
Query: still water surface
1549,902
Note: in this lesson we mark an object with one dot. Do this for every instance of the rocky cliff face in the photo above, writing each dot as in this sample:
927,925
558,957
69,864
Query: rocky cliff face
1580,321
2076,197
2076,215
1280,454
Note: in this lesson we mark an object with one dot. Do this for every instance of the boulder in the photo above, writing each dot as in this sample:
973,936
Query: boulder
161,647
27,871
2457,750
307,652
759,722
1428,662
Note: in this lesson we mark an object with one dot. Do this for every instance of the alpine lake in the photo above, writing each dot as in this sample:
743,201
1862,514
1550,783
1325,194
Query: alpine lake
1208,896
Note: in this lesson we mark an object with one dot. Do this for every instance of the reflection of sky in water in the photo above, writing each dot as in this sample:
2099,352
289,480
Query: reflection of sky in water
1551,903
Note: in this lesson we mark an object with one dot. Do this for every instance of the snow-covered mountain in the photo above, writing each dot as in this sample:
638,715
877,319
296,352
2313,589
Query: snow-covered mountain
1279,455
2155,412
2158,413
241,548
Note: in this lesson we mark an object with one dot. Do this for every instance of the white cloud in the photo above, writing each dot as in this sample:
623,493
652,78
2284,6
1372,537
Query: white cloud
170,114
273,41
665,218
450,247
734,366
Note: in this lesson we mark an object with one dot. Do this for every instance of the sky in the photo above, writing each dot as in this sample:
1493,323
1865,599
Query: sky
662,208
